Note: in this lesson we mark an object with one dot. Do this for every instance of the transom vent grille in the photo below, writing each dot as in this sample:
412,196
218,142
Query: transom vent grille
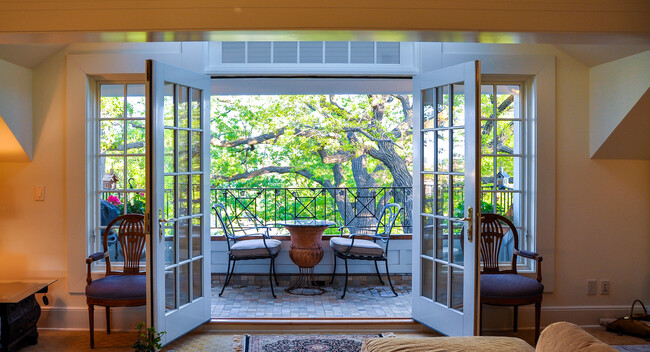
310,52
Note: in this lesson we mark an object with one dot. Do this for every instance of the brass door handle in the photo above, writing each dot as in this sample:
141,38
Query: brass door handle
161,222
470,225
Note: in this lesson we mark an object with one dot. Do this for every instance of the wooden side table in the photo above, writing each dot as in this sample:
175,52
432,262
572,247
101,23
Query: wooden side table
19,311
306,251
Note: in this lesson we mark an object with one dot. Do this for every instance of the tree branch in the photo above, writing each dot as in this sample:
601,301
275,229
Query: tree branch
248,141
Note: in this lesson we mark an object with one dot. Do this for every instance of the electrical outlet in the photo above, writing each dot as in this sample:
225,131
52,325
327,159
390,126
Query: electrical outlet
604,287
592,287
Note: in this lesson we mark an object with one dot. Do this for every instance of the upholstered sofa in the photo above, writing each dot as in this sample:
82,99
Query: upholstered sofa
557,337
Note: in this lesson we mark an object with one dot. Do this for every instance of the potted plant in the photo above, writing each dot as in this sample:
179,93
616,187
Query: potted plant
148,339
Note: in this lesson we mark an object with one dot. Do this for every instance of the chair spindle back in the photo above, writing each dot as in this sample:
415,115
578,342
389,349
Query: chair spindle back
131,237
493,228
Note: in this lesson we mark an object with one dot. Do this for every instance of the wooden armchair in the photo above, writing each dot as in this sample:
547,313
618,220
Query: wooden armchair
126,288
505,287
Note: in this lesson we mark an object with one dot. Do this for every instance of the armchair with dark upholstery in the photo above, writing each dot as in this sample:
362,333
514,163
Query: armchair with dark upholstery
353,247
125,288
247,245
505,287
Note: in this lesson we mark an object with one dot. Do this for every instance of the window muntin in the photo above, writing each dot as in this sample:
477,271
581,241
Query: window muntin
503,158
119,157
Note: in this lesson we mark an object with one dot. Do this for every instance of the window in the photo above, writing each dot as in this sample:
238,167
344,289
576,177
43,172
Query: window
503,158
120,157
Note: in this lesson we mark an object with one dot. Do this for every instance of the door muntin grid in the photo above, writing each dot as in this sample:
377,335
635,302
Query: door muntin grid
443,179
182,204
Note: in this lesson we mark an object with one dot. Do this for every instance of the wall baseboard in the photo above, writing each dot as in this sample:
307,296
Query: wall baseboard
494,318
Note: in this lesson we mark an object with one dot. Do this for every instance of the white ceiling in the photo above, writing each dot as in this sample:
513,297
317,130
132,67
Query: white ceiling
31,55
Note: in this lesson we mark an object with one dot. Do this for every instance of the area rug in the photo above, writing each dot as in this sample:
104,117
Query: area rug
301,343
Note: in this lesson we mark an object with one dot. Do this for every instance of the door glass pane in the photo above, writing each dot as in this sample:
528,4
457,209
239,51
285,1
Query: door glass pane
114,165
443,151
427,197
458,107
183,109
111,101
505,173
111,136
183,195
428,151
507,100
196,151
135,137
169,147
427,278
442,236
183,240
458,196
169,207
487,100
197,278
441,282
427,235
170,289
136,202
168,105
487,137
442,101
183,150
135,169
196,194
428,109
442,195
196,237
506,137
487,173
196,109
170,242
458,228
457,288
135,102
458,153
184,283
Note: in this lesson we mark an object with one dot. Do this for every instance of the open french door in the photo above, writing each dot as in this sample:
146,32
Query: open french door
178,190
446,211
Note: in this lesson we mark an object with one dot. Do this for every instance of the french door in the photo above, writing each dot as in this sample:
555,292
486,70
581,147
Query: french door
178,213
446,211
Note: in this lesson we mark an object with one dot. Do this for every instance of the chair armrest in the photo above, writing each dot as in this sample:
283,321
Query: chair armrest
533,256
253,234
91,259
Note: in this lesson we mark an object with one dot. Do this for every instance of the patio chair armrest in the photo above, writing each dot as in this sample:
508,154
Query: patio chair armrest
91,259
533,256
365,235
255,234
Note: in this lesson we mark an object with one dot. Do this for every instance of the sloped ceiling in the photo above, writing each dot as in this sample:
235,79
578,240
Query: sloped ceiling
631,138
28,55
594,55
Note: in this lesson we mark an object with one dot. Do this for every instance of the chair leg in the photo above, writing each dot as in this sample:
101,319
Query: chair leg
108,320
275,276
91,322
271,277
378,274
228,275
333,271
345,288
514,321
538,311
480,320
388,276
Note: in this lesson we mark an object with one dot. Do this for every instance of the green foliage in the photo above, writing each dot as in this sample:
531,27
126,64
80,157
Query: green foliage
148,339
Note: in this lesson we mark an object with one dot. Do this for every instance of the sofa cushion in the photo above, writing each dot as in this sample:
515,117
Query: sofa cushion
118,287
360,247
563,336
509,286
446,344
255,248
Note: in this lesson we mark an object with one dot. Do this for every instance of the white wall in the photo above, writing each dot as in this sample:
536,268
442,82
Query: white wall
614,89
16,111
602,207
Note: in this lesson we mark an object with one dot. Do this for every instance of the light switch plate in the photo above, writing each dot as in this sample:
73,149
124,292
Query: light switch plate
39,193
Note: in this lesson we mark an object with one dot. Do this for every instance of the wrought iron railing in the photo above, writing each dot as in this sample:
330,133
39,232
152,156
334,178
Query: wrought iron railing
351,206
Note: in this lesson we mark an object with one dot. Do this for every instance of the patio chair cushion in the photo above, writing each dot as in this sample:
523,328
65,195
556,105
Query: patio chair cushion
360,247
254,248
118,287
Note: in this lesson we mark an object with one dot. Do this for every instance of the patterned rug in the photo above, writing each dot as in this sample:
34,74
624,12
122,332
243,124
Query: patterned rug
301,343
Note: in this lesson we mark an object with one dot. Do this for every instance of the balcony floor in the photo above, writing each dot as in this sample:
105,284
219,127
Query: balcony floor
249,296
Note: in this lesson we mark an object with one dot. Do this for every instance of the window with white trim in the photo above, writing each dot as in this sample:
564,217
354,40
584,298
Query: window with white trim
119,131
503,159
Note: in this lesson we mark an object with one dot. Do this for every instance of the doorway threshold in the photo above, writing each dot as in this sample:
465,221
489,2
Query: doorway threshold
271,325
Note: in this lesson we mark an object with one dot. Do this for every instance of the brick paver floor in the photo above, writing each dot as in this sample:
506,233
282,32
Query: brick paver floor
249,296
